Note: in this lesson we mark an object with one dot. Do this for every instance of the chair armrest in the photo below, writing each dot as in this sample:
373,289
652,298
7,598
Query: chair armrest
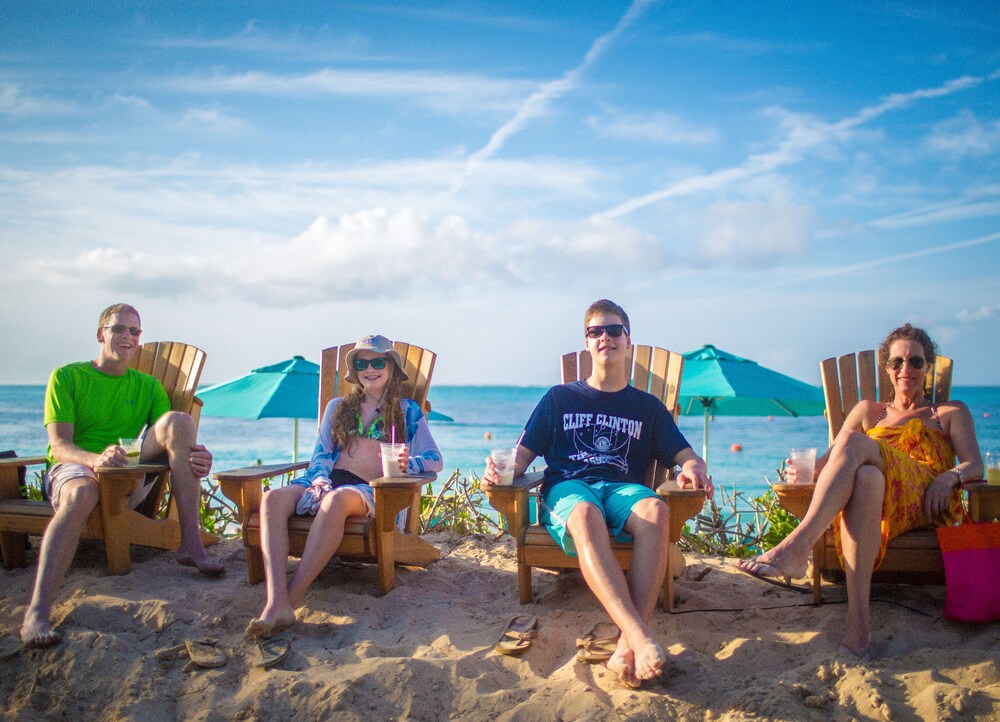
683,504
120,481
19,461
401,482
984,501
248,474
794,498
10,474
511,500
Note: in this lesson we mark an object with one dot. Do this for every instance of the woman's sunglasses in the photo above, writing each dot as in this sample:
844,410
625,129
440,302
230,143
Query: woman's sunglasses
896,362
614,330
360,364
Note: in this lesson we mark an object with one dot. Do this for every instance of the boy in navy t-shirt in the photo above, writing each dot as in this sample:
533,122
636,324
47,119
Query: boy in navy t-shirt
598,436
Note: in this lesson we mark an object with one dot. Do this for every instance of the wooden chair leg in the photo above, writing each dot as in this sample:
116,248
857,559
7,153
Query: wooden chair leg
115,525
817,576
668,587
255,565
12,548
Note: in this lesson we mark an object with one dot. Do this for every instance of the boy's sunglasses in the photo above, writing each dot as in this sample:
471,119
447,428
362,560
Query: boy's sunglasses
360,364
119,328
614,330
896,362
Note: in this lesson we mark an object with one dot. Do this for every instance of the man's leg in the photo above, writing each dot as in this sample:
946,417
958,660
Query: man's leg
174,433
77,499
587,527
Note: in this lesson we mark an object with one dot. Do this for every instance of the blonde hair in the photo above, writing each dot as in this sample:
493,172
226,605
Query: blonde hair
111,310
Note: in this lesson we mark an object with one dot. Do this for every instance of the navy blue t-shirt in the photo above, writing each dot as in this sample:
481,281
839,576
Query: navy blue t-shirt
593,435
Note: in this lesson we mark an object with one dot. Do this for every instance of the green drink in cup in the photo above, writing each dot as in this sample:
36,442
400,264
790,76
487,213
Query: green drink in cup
133,448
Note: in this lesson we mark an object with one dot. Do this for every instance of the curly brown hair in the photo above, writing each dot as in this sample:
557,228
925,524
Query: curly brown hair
906,332
345,421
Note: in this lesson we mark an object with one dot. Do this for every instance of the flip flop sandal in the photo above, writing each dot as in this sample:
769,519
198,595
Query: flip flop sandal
206,652
516,639
598,644
10,647
271,652
772,580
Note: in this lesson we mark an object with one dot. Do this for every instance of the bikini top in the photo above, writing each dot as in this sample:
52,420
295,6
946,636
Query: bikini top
934,416
374,431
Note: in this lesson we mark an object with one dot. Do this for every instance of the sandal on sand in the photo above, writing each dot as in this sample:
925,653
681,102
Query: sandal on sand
517,637
271,652
206,652
10,647
768,573
598,644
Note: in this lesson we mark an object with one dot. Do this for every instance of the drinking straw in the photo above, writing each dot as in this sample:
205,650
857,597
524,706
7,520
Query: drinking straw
393,434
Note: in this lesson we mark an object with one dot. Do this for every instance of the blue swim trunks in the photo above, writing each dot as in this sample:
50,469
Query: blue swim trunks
615,499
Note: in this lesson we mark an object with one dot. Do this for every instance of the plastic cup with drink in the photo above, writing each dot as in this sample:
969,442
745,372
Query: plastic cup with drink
503,462
133,449
992,459
804,463
390,459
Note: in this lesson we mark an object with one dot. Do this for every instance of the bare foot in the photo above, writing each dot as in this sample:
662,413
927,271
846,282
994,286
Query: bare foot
270,623
622,663
204,564
857,642
37,632
650,660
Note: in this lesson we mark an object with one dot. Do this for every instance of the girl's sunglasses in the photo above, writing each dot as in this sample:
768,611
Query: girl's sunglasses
360,364
896,362
614,330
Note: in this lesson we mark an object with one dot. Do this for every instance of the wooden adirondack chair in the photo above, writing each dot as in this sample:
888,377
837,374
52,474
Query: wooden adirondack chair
178,366
913,557
371,540
655,370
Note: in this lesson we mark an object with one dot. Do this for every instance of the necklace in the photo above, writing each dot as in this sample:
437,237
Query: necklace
378,401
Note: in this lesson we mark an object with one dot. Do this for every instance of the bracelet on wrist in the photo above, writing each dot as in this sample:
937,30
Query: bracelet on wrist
959,474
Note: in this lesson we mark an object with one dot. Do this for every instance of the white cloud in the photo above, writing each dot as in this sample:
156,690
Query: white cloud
803,134
964,135
984,313
14,101
447,93
756,231
212,120
538,102
652,127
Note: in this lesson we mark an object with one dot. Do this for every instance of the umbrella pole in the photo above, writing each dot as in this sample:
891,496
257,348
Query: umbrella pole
704,446
295,441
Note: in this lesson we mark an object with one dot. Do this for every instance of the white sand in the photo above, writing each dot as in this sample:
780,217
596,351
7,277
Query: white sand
424,651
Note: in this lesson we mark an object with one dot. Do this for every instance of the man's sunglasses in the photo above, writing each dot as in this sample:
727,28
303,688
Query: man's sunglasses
896,362
120,328
360,364
614,330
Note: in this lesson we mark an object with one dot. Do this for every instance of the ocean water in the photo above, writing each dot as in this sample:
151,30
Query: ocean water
501,412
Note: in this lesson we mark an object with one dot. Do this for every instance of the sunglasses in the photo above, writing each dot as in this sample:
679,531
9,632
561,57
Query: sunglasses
120,328
614,330
360,364
896,362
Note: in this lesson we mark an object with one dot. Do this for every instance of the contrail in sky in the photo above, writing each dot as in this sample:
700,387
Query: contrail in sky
802,138
538,101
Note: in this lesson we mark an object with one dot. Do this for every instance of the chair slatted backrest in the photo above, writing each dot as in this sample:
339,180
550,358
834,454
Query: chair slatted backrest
654,370
178,366
860,376
418,362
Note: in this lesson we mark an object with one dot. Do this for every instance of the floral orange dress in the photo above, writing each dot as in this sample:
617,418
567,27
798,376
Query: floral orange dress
914,455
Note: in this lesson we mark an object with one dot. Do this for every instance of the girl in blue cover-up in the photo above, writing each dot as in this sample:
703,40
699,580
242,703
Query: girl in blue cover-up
335,486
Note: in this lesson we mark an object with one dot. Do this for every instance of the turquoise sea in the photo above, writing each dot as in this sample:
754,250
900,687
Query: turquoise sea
500,411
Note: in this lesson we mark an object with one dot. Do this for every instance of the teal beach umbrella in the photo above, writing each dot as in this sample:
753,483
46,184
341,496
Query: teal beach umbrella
285,390
718,383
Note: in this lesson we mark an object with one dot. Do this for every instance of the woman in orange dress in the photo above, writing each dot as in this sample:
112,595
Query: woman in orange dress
891,468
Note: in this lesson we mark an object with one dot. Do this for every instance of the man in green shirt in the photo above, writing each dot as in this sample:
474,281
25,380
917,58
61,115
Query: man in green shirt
88,407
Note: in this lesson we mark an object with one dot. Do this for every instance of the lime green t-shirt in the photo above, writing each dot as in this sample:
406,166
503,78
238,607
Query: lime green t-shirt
102,408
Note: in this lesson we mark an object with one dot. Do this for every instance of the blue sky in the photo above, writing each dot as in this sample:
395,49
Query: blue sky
785,180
